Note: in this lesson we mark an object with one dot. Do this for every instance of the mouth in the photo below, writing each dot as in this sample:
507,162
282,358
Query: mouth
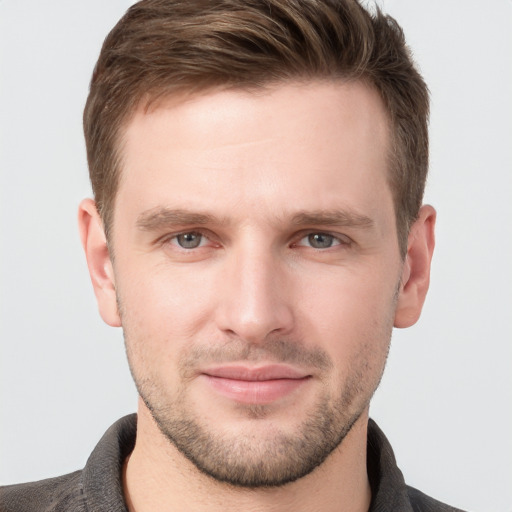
255,385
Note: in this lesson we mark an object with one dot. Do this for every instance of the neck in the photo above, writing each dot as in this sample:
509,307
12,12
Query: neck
158,477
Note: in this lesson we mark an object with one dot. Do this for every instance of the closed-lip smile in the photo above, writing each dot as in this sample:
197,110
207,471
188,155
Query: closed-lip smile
255,384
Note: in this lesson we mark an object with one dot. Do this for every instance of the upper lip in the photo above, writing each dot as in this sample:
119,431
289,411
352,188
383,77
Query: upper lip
255,373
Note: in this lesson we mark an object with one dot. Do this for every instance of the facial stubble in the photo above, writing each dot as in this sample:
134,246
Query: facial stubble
268,457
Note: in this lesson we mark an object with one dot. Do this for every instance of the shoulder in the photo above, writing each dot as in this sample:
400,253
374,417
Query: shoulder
422,503
50,495
97,487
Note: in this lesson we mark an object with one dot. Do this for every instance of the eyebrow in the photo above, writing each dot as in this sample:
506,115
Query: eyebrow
342,218
159,218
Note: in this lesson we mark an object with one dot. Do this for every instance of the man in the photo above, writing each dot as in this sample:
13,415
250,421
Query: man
257,231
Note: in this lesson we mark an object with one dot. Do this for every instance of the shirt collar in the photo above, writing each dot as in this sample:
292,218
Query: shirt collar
102,476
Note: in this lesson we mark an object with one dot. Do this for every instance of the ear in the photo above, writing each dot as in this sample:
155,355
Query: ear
98,260
416,270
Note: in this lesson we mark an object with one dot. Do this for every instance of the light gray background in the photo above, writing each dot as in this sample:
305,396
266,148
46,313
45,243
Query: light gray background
445,401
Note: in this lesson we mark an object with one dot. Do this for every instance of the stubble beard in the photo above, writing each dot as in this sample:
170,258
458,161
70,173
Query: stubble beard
269,460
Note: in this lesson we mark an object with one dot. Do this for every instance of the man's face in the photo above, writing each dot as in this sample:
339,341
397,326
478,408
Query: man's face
257,272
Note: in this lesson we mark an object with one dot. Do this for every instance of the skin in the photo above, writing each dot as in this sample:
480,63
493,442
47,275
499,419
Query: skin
258,179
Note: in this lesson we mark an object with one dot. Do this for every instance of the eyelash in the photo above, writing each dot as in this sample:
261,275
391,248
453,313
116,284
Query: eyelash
174,238
337,239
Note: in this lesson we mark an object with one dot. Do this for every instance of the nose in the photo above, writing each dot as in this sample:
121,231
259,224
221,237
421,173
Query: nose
253,302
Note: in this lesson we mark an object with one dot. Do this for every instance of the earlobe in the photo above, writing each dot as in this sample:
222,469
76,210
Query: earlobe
98,260
416,270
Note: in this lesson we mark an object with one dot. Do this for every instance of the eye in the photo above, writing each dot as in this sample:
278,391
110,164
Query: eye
322,241
190,240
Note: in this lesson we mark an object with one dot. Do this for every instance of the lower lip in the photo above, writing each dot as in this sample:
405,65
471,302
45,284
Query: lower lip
255,392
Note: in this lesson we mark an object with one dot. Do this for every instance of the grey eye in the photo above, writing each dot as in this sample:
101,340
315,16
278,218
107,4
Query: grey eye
189,240
321,240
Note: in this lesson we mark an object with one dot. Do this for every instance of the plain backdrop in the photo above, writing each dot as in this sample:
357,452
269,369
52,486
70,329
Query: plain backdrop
446,399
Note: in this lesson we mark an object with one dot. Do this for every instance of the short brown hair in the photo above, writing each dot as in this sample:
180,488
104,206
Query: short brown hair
161,47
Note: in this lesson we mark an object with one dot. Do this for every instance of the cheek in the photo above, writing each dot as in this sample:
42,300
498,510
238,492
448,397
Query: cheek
350,312
161,315
162,296
355,328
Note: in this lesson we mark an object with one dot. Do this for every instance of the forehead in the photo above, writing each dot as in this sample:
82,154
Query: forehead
320,144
